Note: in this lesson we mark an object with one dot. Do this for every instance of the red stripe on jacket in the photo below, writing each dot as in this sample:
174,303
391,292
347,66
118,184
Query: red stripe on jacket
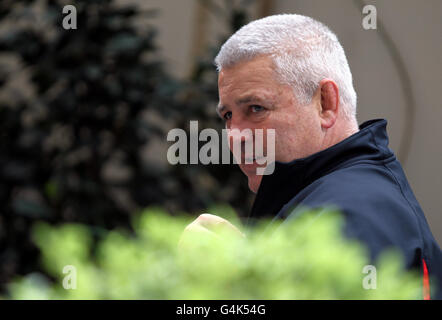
426,282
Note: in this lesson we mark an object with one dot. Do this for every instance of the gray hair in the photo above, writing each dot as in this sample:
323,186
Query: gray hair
303,50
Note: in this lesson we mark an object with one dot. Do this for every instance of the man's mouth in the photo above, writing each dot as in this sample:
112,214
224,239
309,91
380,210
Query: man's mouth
250,160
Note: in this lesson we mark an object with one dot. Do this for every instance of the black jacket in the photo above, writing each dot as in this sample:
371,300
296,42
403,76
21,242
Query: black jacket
362,177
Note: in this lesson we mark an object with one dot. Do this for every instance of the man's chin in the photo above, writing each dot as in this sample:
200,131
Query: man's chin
254,182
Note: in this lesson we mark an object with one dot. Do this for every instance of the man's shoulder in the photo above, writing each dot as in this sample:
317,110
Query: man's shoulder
368,194
362,181
375,208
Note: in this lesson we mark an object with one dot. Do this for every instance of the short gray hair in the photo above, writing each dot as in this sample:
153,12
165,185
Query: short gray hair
304,52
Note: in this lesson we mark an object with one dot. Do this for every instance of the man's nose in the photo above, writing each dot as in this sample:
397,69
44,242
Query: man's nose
240,134
240,142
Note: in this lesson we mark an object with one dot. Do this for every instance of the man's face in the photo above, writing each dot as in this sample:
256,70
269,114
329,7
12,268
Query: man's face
252,98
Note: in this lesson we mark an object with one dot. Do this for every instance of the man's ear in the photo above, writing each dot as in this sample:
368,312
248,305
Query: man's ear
329,106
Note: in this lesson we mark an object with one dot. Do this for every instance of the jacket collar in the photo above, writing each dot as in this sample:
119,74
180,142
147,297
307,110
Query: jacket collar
370,143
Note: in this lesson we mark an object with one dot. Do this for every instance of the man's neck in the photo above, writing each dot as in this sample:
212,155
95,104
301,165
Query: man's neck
341,130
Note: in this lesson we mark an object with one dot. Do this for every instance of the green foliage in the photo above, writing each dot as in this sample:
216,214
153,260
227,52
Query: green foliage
304,258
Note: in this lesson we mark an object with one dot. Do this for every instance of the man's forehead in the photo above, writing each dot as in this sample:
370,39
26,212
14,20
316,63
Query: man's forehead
249,81
250,69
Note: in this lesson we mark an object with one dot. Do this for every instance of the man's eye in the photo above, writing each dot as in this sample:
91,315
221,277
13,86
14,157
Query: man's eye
256,108
227,115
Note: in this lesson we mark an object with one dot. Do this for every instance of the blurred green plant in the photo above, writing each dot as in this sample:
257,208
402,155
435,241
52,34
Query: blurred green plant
304,258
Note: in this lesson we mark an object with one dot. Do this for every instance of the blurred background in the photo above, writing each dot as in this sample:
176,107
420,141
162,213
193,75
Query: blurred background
84,113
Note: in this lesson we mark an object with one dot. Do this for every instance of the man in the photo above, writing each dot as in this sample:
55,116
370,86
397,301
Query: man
289,73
